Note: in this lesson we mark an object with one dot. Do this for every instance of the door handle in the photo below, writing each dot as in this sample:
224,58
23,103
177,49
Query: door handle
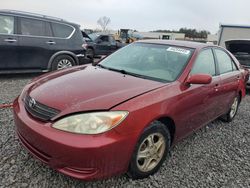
10,40
50,42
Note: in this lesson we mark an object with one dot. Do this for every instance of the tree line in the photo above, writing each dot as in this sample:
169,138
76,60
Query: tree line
189,33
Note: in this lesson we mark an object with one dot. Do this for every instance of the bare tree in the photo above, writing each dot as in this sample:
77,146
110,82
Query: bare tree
103,22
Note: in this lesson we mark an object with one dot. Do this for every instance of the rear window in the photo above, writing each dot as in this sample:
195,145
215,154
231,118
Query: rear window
61,30
6,24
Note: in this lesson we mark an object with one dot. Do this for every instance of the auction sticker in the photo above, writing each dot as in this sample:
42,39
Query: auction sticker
178,50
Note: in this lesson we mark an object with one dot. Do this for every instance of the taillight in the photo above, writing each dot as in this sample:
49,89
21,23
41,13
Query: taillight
85,45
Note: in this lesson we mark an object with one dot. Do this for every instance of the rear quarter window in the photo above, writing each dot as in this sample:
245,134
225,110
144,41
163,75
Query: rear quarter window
61,30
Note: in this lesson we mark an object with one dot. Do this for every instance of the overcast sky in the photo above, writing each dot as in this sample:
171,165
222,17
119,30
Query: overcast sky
142,15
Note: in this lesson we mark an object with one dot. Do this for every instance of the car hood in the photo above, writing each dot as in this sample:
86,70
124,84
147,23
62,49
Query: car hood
87,88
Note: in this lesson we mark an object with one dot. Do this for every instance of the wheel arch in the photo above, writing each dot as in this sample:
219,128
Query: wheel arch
169,122
240,95
71,54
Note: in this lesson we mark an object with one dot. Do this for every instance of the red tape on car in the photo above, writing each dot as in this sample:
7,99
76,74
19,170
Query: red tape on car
6,105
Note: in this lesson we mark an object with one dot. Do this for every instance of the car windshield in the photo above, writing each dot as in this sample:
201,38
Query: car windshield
158,62
87,39
93,36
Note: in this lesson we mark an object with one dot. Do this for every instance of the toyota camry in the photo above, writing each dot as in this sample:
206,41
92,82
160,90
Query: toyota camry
125,113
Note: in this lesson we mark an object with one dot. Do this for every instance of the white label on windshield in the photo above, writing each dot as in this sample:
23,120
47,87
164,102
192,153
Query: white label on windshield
178,50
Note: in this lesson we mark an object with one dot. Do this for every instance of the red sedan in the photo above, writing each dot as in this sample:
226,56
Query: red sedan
124,114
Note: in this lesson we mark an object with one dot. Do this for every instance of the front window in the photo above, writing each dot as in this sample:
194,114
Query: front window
104,38
150,61
204,63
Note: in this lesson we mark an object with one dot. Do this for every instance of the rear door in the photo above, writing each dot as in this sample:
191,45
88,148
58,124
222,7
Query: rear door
230,77
8,43
34,42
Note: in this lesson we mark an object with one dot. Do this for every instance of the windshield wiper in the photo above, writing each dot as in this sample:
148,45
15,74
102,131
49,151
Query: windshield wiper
127,73
100,65
121,71
130,73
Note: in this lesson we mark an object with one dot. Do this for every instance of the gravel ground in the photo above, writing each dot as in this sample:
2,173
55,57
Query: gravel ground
218,155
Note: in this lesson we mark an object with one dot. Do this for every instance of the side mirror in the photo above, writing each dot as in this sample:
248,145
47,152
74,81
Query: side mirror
199,79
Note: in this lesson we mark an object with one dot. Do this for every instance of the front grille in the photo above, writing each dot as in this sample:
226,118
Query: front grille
38,110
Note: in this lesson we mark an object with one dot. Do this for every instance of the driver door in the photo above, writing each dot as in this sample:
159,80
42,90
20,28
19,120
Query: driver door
103,45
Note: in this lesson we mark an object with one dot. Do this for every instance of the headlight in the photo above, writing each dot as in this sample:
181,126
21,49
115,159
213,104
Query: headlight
91,123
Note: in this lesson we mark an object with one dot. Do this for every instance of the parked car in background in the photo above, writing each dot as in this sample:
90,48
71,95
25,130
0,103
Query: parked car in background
101,44
158,92
38,43
240,48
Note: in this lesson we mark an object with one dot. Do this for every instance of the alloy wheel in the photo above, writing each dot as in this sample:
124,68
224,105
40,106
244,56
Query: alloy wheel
64,63
151,152
234,107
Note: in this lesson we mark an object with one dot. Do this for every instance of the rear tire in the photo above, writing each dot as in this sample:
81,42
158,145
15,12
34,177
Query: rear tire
62,62
229,116
150,152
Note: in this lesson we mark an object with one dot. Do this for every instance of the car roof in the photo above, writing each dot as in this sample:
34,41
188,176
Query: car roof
188,44
34,15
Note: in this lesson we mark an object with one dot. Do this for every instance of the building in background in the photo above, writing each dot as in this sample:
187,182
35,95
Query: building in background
232,32
158,35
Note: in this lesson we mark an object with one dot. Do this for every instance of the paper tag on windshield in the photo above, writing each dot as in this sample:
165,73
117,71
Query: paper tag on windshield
178,50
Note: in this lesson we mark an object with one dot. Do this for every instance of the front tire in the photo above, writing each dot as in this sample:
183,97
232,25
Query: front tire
150,152
62,62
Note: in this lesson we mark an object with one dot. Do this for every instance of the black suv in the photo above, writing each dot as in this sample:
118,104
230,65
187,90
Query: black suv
37,43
